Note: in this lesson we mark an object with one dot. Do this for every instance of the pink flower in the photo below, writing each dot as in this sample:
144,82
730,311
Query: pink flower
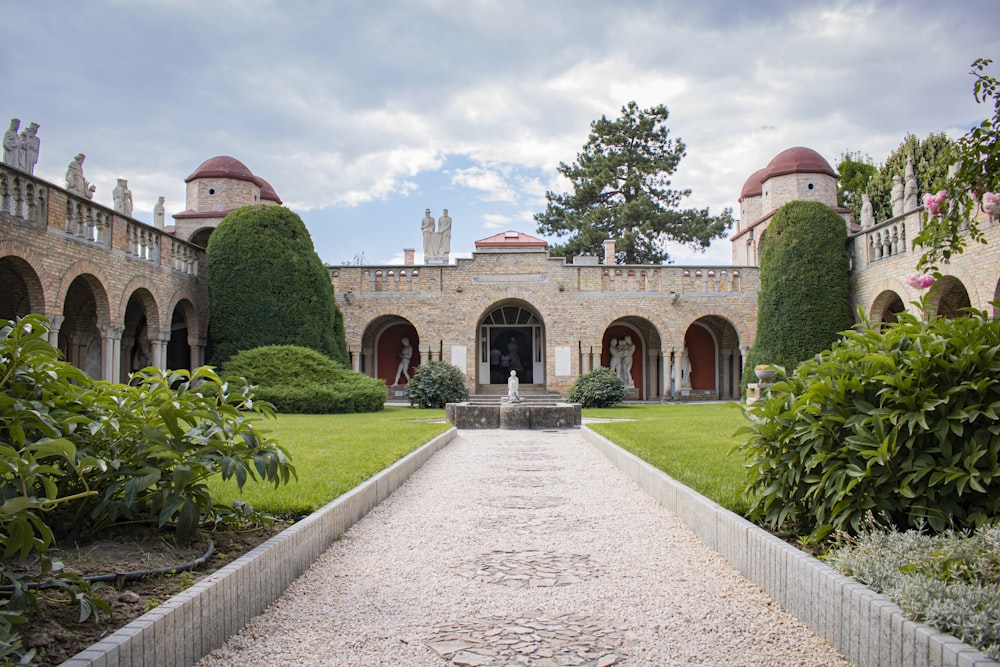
920,282
991,203
933,202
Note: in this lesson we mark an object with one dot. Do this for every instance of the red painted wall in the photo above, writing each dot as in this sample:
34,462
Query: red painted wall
387,353
701,353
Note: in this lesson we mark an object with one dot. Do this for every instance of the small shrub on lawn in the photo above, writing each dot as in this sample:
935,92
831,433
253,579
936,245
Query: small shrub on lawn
299,380
599,388
436,383
897,425
950,581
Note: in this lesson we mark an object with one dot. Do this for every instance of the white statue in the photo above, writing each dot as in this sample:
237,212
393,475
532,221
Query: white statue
12,144
897,195
625,348
158,213
867,212
405,355
444,234
615,360
910,198
512,388
427,227
30,147
123,198
75,182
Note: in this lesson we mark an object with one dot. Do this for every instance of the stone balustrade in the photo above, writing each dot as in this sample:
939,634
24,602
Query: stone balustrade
32,201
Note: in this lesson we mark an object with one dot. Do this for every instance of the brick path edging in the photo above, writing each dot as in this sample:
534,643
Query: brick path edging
863,626
191,624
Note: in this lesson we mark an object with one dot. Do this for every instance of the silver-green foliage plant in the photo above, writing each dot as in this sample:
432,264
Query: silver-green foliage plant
600,388
950,581
435,384
897,424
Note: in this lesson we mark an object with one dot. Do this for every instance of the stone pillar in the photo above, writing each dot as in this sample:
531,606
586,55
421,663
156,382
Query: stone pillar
111,359
725,392
408,256
683,369
197,347
158,349
669,380
650,385
609,252
56,322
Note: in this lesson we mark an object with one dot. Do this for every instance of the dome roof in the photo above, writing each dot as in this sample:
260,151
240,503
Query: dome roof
798,160
754,186
222,166
267,192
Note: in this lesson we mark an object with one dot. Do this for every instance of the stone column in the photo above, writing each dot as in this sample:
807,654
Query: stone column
197,347
650,385
685,382
111,360
158,350
726,375
609,252
669,389
56,322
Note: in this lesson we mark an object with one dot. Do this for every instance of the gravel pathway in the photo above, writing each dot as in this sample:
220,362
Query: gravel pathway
522,548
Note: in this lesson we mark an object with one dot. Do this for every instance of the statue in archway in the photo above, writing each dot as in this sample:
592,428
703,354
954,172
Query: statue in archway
615,359
513,354
405,355
625,349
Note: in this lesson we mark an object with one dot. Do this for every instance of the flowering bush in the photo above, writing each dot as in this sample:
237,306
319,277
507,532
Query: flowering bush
920,282
933,203
991,204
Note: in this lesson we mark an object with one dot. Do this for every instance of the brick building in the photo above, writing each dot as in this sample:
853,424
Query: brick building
122,294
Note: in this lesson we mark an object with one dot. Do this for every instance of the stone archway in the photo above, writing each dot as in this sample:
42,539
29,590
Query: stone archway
382,350
511,336
710,365
179,353
887,307
80,337
646,371
950,297
138,334
20,289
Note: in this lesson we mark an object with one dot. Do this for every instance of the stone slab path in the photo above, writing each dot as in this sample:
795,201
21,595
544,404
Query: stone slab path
522,548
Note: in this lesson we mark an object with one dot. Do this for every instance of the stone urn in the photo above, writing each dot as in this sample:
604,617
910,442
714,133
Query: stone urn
765,374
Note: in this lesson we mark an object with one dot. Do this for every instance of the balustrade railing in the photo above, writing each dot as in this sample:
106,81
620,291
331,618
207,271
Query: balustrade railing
27,198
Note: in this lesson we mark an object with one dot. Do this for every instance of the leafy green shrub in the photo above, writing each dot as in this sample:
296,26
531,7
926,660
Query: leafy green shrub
600,388
803,303
896,425
267,286
78,455
436,383
300,380
949,581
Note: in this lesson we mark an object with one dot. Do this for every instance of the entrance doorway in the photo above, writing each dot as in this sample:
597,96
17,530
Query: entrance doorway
511,337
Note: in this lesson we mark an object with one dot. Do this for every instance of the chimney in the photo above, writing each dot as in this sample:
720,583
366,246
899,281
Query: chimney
609,251
408,256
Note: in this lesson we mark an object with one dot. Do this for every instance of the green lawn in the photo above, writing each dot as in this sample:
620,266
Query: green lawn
691,443
332,454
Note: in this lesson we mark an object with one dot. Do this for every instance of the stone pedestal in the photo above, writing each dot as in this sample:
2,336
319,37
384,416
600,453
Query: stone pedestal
514,416
562,415
470,415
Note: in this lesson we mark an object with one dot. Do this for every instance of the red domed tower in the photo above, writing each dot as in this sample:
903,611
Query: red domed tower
793,174
219,185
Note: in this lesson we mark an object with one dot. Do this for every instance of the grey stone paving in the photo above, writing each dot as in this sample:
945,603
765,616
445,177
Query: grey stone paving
522,548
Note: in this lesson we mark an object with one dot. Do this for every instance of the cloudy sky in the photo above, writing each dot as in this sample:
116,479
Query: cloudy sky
364,113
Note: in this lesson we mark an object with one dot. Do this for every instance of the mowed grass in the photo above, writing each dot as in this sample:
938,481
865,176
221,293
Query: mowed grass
332,454
691,443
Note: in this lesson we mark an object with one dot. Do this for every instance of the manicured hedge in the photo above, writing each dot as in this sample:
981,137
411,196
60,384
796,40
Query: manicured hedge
803,304
267,286
299,380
